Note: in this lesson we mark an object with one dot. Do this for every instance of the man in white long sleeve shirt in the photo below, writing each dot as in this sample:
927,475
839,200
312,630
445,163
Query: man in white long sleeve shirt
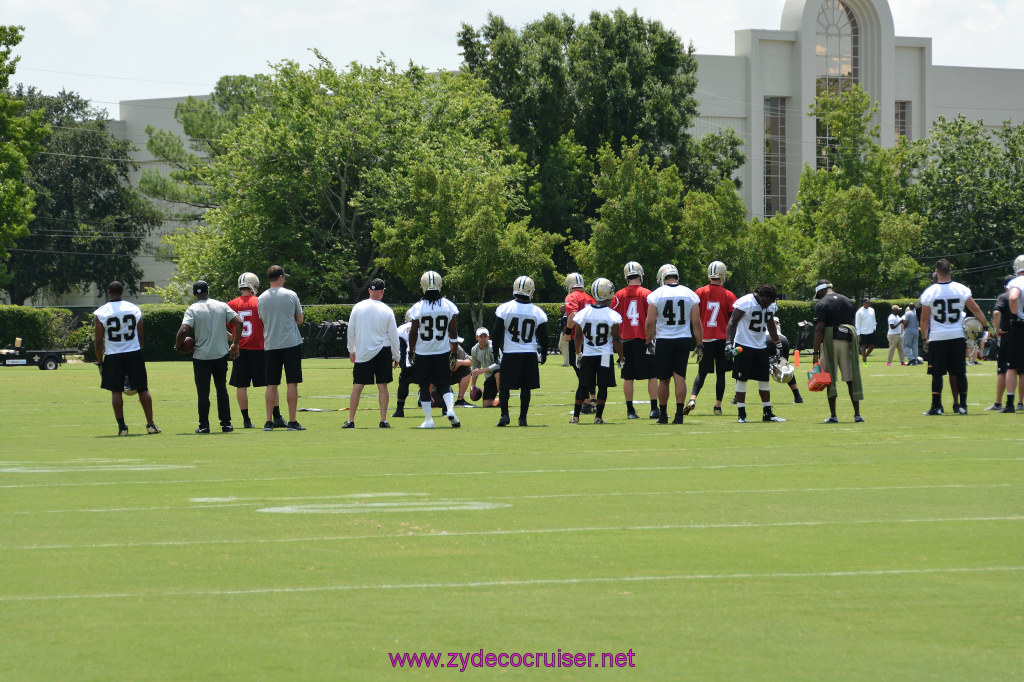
373,348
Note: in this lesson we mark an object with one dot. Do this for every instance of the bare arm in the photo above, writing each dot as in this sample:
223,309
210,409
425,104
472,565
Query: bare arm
973,306
730,329
696,329
652,317
97,339
926,316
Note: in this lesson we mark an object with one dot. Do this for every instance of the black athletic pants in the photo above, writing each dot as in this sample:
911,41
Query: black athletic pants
203,371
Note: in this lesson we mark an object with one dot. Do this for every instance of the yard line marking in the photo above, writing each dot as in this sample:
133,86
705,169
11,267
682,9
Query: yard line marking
230,502
535,582
742,525
91,467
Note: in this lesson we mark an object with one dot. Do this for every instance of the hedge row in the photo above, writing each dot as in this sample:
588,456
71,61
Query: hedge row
54,328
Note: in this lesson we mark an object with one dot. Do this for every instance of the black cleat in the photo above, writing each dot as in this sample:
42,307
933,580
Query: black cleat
247,424
663,419
152,428
797,399
269,426
503,420
934,412
678,419
399,414
280,423
522,421
655,414
384,425
717,412
858,419
599,420
831,420
688,408
771,418
203,429
960,409
632,415
227,428
295,426
350,425
1008,409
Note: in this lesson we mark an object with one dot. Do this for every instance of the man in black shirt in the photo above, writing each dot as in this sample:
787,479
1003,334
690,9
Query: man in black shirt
1001,322
834,345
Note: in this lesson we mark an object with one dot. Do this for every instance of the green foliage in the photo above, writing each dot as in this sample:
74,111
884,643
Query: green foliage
38,328
646,214
89,222
971,189
21,135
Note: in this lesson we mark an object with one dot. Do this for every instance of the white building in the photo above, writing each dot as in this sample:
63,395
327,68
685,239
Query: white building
763,92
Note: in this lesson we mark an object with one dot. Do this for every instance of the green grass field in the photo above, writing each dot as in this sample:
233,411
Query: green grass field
890,550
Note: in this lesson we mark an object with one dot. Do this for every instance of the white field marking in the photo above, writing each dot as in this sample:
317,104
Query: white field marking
537,582
501,472
521,531
398,506
65,468
226,502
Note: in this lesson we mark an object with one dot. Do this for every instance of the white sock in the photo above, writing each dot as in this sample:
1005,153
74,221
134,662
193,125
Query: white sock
449,402
426,411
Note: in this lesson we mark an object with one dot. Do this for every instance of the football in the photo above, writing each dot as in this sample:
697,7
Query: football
188,345
475,393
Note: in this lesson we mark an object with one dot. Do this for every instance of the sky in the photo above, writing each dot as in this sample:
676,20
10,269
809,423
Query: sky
113,50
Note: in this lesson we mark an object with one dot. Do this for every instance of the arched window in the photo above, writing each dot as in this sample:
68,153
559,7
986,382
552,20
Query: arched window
837,59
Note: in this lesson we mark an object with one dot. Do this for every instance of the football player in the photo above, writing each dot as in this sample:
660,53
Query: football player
631,304
433,338
521,341
118,339
599,336
942,309
1015,352
405,374
249,368
715,309
577,300
673,319
746,341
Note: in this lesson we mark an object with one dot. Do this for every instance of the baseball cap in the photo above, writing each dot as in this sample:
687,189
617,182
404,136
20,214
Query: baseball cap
200,287
482,331
376,284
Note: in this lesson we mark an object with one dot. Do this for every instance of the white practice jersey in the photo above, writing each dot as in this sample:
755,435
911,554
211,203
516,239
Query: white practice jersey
1018,283
947,301
120,321
521,323
751,330
434,318
596,325
403,335
673,304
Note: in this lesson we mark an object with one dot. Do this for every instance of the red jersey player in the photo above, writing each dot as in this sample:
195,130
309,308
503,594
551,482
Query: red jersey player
577,300
248,368
631,303
716,303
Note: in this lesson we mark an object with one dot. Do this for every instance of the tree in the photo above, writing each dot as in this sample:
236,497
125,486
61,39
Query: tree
89,222
646,214
21,136
614,77
970,189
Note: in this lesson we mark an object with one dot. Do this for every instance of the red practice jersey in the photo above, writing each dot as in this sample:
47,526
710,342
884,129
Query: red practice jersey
576,301
716,304
631,303
252,325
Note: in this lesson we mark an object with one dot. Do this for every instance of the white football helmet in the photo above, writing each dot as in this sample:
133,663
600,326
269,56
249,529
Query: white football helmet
248,280
973,328
667,270
782,371
602,289
574,280
716,270
430,281
633,269
1018,264
523,286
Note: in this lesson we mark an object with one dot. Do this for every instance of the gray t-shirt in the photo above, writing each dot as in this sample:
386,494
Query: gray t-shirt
208,320
278,307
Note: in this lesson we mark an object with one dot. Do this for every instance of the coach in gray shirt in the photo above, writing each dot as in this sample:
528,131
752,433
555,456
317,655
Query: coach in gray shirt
281,312
205,320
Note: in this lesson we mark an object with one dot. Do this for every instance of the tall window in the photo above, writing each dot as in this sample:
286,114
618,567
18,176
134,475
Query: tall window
903,120
837,57
774,155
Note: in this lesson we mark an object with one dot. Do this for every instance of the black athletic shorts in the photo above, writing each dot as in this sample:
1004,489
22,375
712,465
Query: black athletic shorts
249,368
1004,353
948,356
1015,351
636,363
374,371
670,357
289,359
866,339
520,370
490,389
593,375
433,369
714,356
752,364
120,365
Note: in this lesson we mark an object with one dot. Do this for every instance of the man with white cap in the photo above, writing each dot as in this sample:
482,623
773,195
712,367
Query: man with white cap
1015,361
483,363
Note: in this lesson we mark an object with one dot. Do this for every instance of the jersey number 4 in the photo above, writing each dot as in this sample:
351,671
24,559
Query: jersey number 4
121,329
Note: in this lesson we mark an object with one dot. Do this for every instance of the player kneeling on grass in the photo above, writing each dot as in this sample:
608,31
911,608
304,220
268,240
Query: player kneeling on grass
600,335
745,339
520,335
433,339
